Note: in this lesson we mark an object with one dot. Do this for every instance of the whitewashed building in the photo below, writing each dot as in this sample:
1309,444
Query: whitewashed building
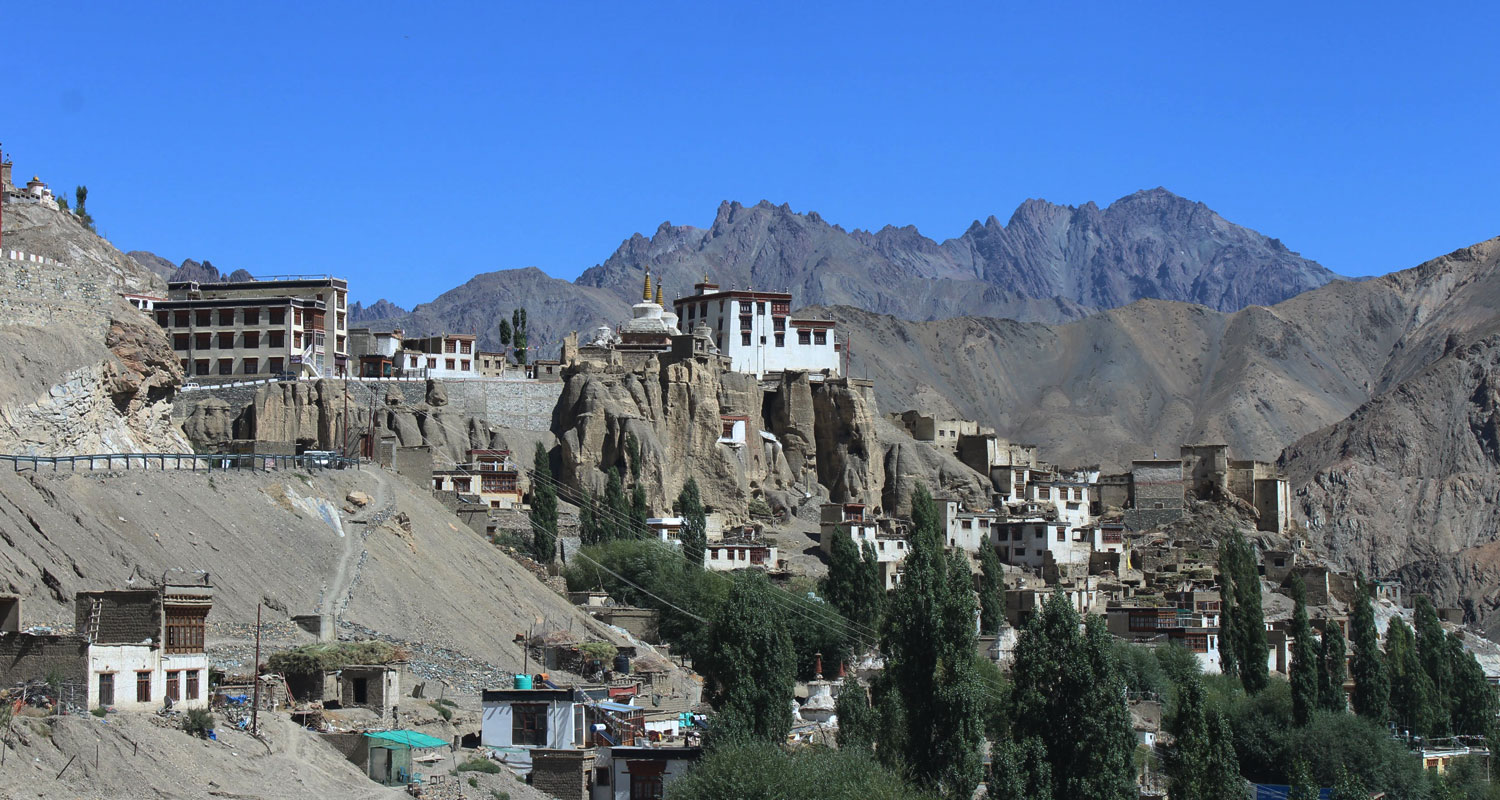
758,331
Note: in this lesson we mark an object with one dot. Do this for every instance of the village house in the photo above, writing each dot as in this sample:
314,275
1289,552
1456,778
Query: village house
640,773
491,365
275,327
488,477
448,355
758,331
743,550
35,190
966,530
377,352
849,519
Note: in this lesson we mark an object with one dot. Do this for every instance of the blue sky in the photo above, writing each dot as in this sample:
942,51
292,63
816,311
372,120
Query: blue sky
408,146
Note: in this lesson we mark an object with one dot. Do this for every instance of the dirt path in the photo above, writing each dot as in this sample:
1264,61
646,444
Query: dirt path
357,530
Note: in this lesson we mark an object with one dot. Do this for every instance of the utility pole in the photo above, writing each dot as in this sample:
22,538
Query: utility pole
344,423
2,208
255,676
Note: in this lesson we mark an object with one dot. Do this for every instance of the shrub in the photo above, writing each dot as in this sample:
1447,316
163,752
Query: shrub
604,651
764,770
478,764
443,711
99,712
199,722
758,508
443,701
473,781
327,656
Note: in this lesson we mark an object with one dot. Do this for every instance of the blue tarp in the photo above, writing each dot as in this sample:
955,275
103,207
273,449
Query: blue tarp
408,738
1273,791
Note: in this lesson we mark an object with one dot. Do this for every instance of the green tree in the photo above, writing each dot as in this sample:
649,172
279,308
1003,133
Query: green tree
80,208
505,332
857,720
847,588
1349,787
1303,787
694,535
639,510
1305,664
1436,659
1246,634
1201,762
1371,696
633,456
767,772
750,665
543,508
1020,771
1229,661
1414,702
1473,700
991,591
518,334
1067,692
932,695
588,519
1331,677
615,515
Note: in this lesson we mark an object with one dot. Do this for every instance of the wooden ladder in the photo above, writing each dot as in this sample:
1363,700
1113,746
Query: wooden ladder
96,608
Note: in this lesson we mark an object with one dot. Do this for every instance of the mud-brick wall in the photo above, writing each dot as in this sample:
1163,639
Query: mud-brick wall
562,773
25,657
126,618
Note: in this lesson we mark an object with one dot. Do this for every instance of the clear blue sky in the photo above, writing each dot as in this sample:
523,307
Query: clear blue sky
408,146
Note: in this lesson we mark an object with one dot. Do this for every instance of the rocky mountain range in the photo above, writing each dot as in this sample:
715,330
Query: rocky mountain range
188,270
1049,263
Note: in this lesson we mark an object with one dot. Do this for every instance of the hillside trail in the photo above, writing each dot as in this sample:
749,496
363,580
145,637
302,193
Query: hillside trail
341,585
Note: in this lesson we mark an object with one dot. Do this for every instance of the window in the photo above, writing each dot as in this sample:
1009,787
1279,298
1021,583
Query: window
275,365
690,311
781,340
185,631
204,317
432,363
163,318
251,366
1020,552
278,316
413,363
340,323
297,340
645,786
745,339
466,347
180,341
713,555
760,307
174,685
450,346
226,366
180,319
143,686
781,308
252,338
464,365
1062,534
338,343
745,323
252,316
106,688
296,316
187,367
340,296
276,339
226,340
820,337
226,316
200,366
447,363
804,337
528,724
778,324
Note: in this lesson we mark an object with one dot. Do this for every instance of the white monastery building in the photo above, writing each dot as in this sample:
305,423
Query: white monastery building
758,331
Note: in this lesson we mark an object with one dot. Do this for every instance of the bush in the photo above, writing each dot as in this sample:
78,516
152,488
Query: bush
328,656
604,651
759,508
443,711
768,771
199,722
473,781
478,764
99,712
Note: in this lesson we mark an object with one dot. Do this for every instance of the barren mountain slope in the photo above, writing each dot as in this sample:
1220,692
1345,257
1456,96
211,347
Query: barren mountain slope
58,234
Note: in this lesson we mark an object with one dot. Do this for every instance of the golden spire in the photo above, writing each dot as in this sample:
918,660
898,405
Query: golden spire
646,295
658,292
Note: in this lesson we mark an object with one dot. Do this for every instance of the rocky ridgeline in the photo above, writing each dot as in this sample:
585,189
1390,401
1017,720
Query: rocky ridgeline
804,440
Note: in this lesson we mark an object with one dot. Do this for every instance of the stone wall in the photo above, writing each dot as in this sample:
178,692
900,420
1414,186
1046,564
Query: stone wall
36,291
562,774
127,617
25,657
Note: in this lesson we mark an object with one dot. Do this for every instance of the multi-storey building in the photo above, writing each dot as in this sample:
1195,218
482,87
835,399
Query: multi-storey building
291,326
758,331
449,355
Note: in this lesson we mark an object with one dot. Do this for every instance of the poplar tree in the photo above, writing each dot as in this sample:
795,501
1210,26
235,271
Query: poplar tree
931,692
750,664
1067,692
1414,702
1305,663
543,508
588,519
1436,659
1473,699
847,587
1201,762
991,590
1349,786
694,535
639,511
616,511
1332,655
1246,634
857,720
1020,771
1371,697
1303,787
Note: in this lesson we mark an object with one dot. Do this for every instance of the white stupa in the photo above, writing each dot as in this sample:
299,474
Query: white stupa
647,318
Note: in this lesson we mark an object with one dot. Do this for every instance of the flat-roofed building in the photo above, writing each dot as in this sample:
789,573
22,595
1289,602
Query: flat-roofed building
275,327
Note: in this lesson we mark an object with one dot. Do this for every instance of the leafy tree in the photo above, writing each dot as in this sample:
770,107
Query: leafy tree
1371,696
588,519
1068,693
505,332
931,692
1020,771
857,720
1349,787
694,534
543,508
633,456
1229,660
81,194
750,664
1414,702
1473,700
639,510
518,334
1303,787
1331,678
991,591
1246,634
767,772
846,587
1436,659
1201,761
616,512
1305,664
